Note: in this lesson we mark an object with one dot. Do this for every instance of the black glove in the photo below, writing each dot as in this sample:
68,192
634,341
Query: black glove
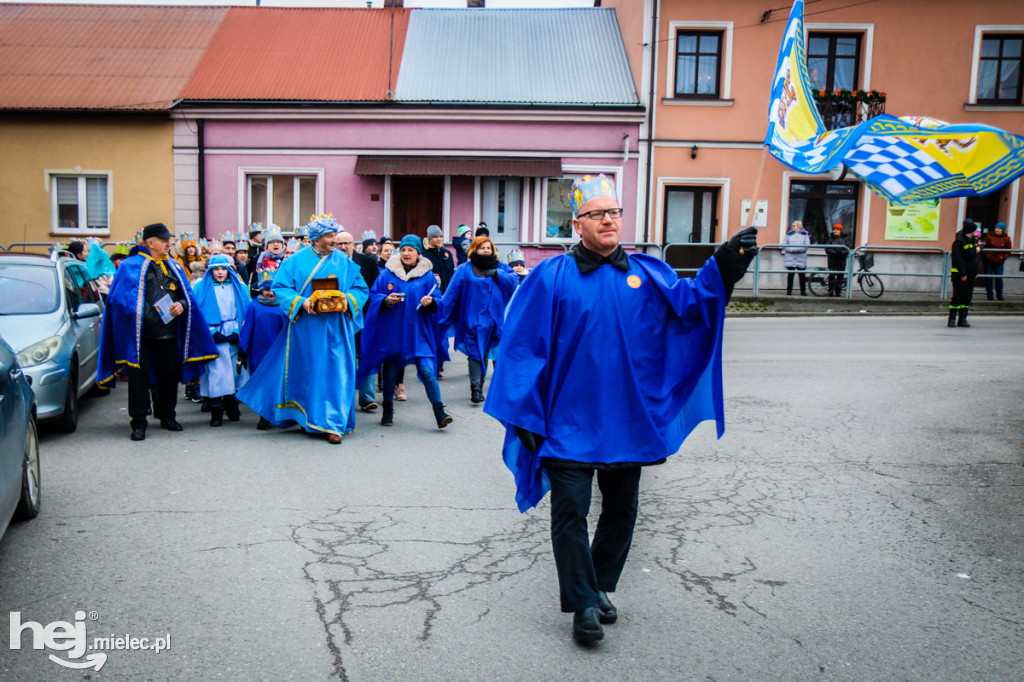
233,339
735,255
220,338
530,440
243,360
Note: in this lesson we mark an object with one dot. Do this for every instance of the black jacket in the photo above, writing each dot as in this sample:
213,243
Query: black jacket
367,266
441,259
965,254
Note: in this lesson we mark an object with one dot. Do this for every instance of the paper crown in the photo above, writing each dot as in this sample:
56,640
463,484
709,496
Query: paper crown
255,227
187,238
589,187
264,278
516,257
138,237
321,216
204,242
58,247
273,234
122,248
300,231
228,237
294,243
369,234
95,241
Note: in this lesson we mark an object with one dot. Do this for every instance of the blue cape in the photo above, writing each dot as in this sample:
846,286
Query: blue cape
401,333
121,332
206,297
475,307
308,375
609,366
260,328
98,263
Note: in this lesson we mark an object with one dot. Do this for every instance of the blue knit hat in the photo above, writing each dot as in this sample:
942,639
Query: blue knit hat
413,241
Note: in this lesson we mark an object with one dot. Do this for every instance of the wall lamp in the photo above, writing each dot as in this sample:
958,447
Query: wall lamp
693,152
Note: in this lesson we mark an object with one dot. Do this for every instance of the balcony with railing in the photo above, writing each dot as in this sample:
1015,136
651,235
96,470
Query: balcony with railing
842,108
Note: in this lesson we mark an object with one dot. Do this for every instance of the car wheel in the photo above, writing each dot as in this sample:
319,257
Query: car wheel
28,505
68,421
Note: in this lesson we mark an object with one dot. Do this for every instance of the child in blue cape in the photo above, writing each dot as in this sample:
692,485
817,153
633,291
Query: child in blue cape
263,321
223,299
401,327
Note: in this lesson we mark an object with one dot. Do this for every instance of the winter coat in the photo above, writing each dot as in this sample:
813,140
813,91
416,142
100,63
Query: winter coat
796,257
992,241
964,255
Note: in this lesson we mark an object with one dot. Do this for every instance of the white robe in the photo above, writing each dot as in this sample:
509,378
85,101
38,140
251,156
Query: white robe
219,377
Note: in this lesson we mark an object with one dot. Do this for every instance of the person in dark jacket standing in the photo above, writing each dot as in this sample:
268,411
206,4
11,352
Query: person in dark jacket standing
963,272
993,261
837,258
439,257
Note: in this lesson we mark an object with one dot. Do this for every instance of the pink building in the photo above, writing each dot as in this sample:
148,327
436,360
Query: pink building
489,128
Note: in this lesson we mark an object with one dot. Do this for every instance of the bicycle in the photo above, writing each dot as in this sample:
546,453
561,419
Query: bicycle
870,284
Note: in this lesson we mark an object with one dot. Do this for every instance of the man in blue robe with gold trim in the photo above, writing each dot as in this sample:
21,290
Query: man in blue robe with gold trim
152,326
308,375
608,361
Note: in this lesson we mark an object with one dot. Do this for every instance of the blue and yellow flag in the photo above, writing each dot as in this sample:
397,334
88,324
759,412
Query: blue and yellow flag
904,159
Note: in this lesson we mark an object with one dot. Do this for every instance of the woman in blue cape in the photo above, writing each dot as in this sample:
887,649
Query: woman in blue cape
474,305
401,326
308,374
224,300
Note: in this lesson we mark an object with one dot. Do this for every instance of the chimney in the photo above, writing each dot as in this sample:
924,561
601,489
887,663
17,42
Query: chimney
394,3
475,4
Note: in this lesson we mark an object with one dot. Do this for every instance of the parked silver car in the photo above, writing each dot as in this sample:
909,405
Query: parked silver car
19,447
50,314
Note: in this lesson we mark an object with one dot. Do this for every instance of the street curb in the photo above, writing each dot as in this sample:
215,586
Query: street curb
760,306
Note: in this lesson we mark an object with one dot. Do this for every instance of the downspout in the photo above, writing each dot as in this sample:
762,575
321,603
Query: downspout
202,176
650,121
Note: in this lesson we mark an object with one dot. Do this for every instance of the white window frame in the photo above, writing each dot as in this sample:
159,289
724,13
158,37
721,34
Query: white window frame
51,176
575,172
867,44
244,172
979,34
725,89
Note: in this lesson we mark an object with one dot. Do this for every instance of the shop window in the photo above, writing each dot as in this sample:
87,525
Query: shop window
820,205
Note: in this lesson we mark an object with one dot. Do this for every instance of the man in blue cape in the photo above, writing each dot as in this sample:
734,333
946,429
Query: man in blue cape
153,326
608,362
308,375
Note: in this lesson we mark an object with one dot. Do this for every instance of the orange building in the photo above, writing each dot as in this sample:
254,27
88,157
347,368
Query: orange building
705,69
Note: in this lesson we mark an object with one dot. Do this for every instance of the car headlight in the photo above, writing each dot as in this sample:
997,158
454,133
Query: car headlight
38,353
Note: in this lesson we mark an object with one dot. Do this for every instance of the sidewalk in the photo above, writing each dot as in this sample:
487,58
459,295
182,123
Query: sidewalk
743,302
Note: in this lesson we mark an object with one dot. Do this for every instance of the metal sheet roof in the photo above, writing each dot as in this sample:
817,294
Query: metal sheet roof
540,56
312,54
101,57
412,165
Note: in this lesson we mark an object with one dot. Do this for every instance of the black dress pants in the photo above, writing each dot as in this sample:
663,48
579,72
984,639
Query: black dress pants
584,567
162,356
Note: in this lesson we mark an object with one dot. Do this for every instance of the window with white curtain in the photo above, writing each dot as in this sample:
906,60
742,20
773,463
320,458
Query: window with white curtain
1001,69
79,203
288,201
500,204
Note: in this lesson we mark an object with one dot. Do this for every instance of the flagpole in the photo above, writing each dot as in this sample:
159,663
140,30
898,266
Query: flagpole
757,188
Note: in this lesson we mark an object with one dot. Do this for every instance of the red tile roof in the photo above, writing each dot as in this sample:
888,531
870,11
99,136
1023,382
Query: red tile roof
312,54
102,57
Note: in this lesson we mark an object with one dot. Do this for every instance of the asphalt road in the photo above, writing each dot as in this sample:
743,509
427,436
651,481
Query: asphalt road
860,520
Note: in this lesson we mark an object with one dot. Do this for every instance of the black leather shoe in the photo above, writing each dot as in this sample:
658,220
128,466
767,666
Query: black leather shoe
171,425
585,626
264,425
138,433
606,612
